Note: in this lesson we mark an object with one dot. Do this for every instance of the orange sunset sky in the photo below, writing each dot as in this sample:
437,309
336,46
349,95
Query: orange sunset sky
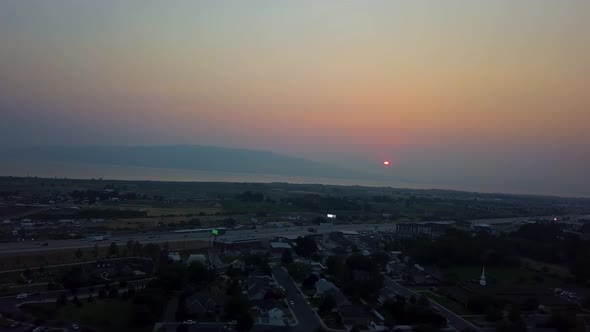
485,95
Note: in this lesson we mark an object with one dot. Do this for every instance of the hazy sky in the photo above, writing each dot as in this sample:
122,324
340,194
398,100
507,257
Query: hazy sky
490,95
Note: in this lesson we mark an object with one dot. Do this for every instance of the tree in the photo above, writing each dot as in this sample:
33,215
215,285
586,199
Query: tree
423,301
287,257
514,314
129,247
61,300
200,275
78,253
298,271
306,246
95,251
381,258
113,293
493,314
152,250
137,249
328,303
531,304
245,323
236,306
113,249
181,312
309,282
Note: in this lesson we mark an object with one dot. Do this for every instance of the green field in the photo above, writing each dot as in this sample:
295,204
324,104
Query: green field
449,304
502,275
242,207
108,315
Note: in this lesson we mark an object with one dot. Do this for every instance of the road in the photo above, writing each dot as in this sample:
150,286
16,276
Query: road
30,246
308,321
455,320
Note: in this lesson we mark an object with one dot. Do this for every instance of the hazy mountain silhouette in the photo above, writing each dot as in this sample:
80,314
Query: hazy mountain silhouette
188,157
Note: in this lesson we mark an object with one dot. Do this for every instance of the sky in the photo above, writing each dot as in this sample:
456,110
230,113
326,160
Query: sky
486,95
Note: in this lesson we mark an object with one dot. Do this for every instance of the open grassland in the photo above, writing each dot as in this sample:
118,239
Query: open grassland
502,275
107,315
33,260
247,207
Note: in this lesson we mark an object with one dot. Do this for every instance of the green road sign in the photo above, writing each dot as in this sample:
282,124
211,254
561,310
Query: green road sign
214,231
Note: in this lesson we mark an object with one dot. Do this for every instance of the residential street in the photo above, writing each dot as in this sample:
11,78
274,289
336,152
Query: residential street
308,321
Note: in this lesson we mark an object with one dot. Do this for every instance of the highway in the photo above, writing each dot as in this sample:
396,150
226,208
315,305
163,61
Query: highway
170,237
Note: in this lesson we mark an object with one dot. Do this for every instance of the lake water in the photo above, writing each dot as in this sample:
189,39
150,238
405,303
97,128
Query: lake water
115,172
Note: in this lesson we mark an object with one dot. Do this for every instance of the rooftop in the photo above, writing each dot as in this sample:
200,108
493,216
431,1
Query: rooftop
280,245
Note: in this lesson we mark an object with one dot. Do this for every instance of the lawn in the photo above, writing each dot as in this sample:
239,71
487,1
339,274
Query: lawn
449,304
107,315
502,275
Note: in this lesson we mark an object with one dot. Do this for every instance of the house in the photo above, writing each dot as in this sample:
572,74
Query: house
258,286
352,314
237,243
196,258
419,229
174,256
323,285
359,275
278,248
205,303
276,316
268,312
386,294
338,296
238,264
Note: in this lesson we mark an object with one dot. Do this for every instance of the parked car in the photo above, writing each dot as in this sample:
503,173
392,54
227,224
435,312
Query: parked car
22,296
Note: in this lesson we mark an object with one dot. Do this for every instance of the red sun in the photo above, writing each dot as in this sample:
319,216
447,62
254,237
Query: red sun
386,163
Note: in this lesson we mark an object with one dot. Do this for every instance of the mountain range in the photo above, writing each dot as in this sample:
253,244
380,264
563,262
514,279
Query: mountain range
187,157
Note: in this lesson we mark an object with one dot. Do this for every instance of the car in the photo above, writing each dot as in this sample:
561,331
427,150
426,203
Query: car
15,325
189,322
292,303
75,327
232,322
22,296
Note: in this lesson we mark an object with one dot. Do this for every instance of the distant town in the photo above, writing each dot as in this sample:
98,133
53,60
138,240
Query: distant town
101,255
